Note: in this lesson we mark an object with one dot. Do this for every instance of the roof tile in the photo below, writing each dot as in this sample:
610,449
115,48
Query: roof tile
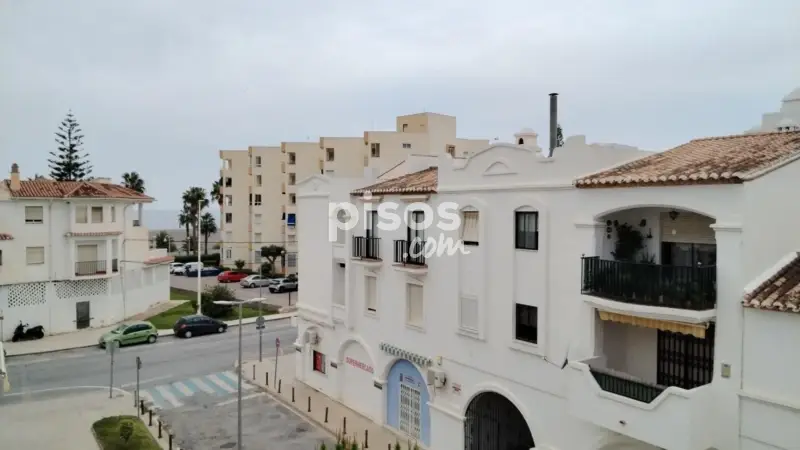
715,160
780,292
422,182
159,260
43,188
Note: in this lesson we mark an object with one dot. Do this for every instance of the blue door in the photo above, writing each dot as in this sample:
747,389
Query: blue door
407,401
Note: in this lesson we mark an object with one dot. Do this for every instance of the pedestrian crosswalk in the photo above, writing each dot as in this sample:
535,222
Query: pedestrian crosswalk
175,395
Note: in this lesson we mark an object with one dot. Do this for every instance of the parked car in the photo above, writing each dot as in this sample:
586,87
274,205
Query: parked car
204,272
284,285
255,281
231,276
174,266
130,333
196,325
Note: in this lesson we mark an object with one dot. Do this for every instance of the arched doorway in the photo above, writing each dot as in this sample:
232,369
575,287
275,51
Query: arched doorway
492,422
356,375
407,401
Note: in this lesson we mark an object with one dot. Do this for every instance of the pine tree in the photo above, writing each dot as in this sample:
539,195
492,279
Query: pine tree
69,163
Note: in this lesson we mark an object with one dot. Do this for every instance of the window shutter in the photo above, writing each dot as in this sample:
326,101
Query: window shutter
34,214
470,227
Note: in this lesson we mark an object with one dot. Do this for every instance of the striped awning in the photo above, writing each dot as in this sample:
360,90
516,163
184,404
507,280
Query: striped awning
398,352
697,330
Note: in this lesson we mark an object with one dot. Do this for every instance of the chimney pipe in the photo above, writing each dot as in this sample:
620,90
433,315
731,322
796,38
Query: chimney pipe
553,122
15,184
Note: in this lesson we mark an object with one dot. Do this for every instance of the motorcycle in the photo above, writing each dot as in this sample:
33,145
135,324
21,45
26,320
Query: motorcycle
25,332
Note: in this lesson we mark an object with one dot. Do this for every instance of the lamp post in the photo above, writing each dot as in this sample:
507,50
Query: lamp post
239,381
199,262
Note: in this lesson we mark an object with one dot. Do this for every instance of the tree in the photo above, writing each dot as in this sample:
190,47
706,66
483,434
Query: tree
69,163
212,294
131,180
239,263
208,226
194,200
271,253
164,240
185,220
216,191
559,136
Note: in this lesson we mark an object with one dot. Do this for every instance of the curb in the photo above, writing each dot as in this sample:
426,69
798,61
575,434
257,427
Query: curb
161,333
166,428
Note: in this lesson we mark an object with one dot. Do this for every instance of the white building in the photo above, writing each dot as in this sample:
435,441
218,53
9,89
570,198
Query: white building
75,255
602,313
785,119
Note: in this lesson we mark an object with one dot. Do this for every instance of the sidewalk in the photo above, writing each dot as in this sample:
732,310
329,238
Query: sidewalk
338,415
90,336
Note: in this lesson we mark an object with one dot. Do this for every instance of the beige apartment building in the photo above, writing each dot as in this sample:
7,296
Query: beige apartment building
259,194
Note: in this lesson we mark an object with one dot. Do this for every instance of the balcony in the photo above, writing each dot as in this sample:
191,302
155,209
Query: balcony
89,268
367,248
687,288
666,417
409,252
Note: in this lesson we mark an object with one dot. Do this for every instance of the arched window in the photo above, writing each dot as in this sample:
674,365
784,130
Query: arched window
342,218
521,141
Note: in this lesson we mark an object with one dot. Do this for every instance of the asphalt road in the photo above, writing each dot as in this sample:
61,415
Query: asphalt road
190,284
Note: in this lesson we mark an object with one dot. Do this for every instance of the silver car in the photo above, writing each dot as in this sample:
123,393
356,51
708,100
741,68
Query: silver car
284,285
255,281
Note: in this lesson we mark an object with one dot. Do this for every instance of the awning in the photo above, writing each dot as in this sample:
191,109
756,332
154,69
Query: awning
696,330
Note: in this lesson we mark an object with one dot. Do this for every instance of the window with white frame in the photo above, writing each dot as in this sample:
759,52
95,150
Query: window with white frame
228,217
451,150
97,214
375,149
406,145
34,255
292,179
113,214
414,307
34,214
371,293
292,199
526,323
292,158
329,154
228,253
291,259
526,230
228,236
258,161
228,200
257,219
258,200
469,226
257,238
468,313
258,180
81,214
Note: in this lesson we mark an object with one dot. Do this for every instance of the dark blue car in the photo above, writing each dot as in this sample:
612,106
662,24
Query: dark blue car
204,272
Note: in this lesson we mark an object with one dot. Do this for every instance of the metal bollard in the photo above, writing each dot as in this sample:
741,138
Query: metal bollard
141,406
279,386
267,379
344,425
170,441
254,371
309,403
292,394
366,439
150,418
326,414
159,429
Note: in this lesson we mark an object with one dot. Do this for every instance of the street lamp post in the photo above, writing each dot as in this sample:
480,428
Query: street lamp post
239,381
199,262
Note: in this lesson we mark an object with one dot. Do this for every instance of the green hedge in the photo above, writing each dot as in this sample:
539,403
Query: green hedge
210,259
124,433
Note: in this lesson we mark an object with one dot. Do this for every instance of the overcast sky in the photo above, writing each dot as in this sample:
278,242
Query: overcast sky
160,86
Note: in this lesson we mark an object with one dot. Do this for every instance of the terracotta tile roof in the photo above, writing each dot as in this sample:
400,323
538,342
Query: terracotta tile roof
715,160
93,234
74,189
779,292
6,237
160,260
422,182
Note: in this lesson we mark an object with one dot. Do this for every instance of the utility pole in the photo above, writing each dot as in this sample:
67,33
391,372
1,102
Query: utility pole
136,397
199,262
239,387
110,346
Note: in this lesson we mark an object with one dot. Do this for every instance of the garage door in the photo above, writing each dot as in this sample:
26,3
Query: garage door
357,373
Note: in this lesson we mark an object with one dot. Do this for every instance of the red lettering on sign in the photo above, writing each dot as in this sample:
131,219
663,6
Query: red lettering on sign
359,365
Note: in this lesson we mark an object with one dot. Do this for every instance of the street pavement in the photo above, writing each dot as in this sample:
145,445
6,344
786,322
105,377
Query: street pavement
190,284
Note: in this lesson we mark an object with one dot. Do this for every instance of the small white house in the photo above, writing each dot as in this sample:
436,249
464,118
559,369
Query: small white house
75,255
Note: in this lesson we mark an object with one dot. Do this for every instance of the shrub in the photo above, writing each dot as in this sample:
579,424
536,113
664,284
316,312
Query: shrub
123,433
239,263
212,294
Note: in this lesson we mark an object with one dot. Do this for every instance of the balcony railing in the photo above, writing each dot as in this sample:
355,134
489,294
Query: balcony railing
692,288
115,265
366,247
409,252
86,268
626,386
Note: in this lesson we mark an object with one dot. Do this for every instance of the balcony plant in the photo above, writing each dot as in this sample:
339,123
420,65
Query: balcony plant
629,242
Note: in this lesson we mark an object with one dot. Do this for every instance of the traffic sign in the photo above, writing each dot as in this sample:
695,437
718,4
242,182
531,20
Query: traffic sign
277,342
138,362
260,323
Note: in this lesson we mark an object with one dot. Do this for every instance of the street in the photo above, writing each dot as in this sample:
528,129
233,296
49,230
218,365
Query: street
192,381
190,284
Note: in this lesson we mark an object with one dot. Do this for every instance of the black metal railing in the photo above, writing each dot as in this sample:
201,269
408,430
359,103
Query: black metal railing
693,288
409,252
366,247
115,265
620,384
90,267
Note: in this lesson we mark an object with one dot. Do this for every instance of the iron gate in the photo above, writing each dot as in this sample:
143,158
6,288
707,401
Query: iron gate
685,361
494,423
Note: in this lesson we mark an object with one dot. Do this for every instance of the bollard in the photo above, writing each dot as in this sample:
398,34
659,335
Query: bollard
309,403
366,439
254,371
159,429
344,425
150,418
292,394
267,379
279,386
388,446
326,414
170,441
141,405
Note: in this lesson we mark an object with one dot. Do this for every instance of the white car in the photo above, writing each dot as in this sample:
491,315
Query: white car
255,281
177,269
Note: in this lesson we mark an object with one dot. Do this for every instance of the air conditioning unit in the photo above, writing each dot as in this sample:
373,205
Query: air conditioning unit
436,378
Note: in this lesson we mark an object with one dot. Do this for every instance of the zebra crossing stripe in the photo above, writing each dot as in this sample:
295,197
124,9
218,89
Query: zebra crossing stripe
165,392
145,395
218,381
234,378
201,385
183,389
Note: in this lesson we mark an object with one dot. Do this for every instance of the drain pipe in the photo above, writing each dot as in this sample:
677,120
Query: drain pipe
553,123
49,257
123,261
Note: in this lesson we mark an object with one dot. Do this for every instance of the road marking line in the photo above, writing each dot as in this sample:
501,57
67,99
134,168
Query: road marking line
234,400
199,384
165,392
235,380
224,386
183,389
149,380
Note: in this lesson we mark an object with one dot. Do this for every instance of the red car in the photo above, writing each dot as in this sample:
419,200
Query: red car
230,276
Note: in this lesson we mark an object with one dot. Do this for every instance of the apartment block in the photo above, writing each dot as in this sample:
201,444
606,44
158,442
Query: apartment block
259,184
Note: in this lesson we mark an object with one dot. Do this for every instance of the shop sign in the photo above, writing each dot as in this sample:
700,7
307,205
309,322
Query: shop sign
359,365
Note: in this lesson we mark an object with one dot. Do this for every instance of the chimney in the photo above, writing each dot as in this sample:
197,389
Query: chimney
15,183
553,122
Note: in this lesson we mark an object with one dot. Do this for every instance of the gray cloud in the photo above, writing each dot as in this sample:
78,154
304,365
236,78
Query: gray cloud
160,86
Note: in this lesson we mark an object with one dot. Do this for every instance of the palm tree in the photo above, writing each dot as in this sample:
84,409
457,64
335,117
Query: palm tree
208,226
216,191
132,180
185,220
194,201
